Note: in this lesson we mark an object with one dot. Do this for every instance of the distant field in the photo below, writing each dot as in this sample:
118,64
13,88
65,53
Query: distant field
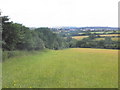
79,37
99,32
99,39
69,68
114,39
111,35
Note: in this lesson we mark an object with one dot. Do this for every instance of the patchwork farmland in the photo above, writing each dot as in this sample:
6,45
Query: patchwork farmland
115,37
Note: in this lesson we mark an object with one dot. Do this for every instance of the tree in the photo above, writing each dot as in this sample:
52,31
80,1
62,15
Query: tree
16,36
11,34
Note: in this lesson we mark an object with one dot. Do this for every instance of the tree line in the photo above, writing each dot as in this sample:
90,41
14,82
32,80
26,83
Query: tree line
18,37
90,42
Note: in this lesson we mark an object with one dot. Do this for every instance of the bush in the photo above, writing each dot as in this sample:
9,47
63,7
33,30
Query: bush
10,54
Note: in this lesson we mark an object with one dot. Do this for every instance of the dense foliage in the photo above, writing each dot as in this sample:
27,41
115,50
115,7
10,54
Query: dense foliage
18,37
90,43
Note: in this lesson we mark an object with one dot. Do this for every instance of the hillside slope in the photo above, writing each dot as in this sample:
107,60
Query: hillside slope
69,68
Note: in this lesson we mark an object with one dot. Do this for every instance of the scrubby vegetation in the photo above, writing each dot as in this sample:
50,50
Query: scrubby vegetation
18,37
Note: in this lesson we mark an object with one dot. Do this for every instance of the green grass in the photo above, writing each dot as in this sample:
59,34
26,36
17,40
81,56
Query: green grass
0,75
69,68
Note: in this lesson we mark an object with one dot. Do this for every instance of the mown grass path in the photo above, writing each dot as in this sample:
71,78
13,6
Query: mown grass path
69,68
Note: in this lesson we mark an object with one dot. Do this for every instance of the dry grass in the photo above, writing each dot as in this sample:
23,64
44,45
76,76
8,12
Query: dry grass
92,50
79,37
98,39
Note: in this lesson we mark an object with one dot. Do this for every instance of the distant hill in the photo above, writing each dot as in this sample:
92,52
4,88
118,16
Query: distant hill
87,28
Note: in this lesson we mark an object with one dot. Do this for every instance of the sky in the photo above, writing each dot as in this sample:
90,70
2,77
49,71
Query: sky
57,13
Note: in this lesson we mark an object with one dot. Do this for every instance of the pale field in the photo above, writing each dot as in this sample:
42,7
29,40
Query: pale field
79,37
114,39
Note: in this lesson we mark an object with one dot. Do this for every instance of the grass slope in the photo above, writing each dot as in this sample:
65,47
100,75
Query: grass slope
69,68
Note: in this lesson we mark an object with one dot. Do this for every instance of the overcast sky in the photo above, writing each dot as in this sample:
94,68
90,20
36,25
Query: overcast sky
52,13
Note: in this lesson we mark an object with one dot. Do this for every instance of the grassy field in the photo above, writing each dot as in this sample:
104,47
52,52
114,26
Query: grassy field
69,68
79,37
102,32
0,75
98,39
